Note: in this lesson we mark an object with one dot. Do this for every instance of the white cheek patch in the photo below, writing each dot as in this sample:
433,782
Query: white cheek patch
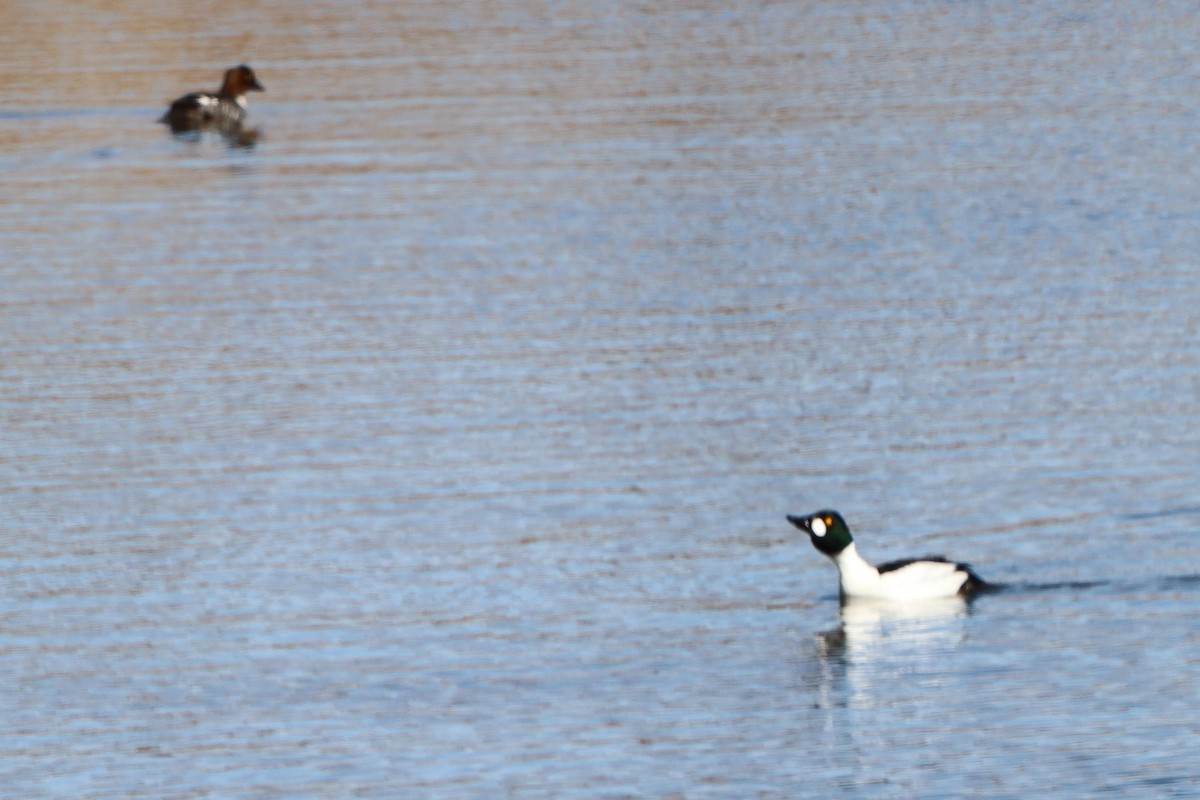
818,526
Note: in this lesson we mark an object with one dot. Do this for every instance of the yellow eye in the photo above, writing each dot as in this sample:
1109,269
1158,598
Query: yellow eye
828,521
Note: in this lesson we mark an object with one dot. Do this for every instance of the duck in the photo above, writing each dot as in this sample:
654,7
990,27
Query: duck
225,110
929,578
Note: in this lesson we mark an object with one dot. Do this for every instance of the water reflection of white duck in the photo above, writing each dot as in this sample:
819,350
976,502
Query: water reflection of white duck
878,639
869,625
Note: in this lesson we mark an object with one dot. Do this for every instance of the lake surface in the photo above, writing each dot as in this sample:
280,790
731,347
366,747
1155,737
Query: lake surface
439,443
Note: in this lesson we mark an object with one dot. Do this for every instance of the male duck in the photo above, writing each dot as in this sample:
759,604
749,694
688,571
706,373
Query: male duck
908,579
224,110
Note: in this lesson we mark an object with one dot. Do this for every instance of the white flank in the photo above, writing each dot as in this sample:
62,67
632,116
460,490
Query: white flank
921,580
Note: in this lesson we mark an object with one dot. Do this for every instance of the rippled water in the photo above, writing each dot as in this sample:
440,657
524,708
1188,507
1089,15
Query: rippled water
439,443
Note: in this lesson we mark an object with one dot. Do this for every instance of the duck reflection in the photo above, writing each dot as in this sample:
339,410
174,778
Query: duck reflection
876,640
234,135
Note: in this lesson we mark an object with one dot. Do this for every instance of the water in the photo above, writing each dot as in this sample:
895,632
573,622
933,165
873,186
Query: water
438,444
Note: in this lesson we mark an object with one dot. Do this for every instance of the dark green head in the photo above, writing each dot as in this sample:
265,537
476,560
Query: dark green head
827,530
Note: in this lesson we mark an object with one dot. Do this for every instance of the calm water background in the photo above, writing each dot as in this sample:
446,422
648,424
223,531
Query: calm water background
439,444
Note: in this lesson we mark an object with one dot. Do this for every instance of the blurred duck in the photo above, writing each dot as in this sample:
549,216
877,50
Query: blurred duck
225,110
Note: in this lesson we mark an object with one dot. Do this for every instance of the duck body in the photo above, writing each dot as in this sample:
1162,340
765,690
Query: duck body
223,110
926,578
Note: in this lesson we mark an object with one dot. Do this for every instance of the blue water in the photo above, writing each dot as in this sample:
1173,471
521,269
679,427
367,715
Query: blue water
439,443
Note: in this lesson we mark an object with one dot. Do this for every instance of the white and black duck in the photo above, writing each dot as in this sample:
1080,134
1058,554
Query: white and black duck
926,578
